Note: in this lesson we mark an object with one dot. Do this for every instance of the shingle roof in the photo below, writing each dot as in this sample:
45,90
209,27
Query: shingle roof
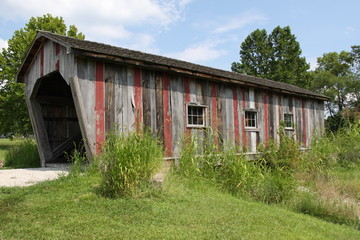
84,46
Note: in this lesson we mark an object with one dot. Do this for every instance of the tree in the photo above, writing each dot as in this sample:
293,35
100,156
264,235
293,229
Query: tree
276,56
14,118
337,76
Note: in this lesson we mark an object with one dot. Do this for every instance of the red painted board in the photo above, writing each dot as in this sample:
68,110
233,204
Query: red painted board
138,99
167,115
214,111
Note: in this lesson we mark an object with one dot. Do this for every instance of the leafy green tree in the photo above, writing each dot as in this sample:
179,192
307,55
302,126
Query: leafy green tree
334,78
337,76
255,55
14,118
276,56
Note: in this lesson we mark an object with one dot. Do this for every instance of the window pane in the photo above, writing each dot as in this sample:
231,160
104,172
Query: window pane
196,116
250,119
288,120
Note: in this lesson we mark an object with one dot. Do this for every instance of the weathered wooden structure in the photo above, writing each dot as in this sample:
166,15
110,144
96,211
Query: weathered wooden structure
78,89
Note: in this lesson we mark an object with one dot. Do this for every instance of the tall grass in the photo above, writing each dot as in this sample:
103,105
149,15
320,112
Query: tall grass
23,155
127,162
340,148
262,179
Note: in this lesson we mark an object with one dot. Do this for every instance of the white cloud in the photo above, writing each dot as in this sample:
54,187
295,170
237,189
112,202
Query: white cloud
108,19
200,52
160,12
3,44
240,22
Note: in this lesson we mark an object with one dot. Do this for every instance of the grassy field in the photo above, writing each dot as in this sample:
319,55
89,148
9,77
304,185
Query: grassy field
69,208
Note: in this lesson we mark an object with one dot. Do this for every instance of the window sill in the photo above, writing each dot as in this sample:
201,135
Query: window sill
194,126
252,130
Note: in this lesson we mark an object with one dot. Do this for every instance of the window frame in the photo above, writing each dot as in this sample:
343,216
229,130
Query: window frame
285,121
204,115
252,111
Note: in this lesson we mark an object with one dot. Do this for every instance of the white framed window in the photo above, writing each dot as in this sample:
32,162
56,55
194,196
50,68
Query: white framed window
250,119
196,115
289,120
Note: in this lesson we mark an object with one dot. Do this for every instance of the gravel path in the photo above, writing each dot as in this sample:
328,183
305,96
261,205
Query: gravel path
29,176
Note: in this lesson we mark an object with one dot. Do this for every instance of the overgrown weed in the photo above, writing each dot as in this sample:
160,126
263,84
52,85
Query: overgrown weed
127,162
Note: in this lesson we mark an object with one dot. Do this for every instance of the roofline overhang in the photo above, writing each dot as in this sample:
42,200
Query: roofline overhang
187,72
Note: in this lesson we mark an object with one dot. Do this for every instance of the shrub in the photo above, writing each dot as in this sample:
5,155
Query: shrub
23,155
127,162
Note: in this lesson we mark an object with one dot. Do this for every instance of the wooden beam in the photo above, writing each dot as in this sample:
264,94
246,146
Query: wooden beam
55,100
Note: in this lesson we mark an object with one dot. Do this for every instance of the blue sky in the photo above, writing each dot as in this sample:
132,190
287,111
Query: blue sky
206,32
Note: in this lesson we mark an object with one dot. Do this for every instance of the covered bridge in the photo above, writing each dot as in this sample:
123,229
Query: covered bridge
78,90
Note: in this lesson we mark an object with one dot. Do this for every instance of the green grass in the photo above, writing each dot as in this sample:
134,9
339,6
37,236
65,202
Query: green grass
23,155
68,208
5,145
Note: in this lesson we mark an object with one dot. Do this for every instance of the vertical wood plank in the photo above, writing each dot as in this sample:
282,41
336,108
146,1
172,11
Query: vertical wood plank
177,113
109,97
152,93
99,106
159,106
146,98
129,102
236,116
304,123
219,114
266,117
187,99
213,108
271,122
138,111
229,115
167,115
243,102
42,61
57,53
298,120
119,83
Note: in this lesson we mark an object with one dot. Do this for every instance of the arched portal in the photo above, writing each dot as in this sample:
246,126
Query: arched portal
54,110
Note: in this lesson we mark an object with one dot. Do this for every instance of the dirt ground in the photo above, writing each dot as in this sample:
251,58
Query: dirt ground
29,176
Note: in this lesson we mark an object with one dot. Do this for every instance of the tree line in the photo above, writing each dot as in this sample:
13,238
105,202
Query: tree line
275,56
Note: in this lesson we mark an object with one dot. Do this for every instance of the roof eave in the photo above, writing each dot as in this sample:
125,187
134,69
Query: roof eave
188,72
